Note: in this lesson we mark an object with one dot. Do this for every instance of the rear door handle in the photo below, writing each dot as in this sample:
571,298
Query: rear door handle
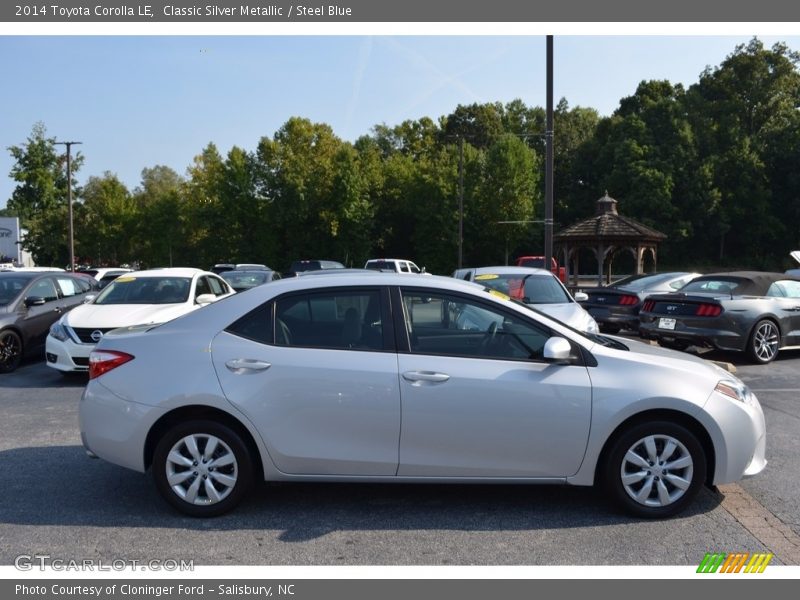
238,365
417,377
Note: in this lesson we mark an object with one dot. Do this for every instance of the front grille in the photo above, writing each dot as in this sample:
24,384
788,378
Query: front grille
85,333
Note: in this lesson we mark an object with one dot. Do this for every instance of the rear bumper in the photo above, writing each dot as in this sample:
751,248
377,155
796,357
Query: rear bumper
714,337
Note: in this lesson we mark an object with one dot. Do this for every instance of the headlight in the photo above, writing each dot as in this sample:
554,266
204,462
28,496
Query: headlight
735,390
59,332
591,325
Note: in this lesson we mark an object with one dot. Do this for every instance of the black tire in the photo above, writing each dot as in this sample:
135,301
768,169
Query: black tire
654,478
10,351
608,328
764,342
201,475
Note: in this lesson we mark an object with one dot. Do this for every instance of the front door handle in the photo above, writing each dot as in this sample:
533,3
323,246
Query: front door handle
418,377
239,365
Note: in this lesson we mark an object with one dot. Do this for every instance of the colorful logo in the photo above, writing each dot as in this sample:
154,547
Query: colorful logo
736,562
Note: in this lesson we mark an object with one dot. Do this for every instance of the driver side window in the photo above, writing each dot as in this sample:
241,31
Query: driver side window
44,288
451,325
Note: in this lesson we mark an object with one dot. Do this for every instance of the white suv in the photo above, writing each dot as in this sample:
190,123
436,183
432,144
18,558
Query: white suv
394,265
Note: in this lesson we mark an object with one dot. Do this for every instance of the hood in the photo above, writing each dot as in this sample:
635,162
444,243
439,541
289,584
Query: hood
570,313
123,315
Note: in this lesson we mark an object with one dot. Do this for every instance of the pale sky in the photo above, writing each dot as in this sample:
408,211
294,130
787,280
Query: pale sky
141,101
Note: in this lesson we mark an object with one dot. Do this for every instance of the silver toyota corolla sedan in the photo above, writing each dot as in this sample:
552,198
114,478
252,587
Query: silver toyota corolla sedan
374,377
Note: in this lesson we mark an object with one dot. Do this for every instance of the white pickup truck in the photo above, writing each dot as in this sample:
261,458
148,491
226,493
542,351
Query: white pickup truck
395,265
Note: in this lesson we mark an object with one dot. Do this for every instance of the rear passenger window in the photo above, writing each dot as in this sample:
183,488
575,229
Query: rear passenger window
347,320
69,287
255,325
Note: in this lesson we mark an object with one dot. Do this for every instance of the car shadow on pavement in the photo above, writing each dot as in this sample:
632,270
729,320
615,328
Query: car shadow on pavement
60,485
33,373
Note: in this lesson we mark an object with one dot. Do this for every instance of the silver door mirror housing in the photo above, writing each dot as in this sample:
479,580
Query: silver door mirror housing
581,296
557,349
88,298
205,299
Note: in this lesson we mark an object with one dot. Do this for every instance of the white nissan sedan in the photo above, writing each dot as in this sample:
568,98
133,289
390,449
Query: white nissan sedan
372,377
139,297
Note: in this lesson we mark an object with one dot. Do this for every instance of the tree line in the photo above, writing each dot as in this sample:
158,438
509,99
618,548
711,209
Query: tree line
716,167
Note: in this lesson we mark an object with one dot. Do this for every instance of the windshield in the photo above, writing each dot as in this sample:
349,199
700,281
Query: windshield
530,289
10,287
712,286
637,283
244,280
145,290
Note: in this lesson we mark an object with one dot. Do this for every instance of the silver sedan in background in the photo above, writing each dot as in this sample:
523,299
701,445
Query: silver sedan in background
369,377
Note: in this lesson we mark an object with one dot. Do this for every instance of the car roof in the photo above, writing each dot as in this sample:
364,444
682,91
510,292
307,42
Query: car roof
169,272
506,270
750,283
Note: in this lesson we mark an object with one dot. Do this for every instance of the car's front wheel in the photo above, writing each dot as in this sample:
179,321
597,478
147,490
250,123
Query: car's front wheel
764,342
10,351
655,469
202,468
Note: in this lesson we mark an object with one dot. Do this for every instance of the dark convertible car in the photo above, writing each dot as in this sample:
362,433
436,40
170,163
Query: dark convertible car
746,311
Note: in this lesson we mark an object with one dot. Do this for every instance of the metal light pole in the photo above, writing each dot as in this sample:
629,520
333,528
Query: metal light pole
69,203
548,172
460,201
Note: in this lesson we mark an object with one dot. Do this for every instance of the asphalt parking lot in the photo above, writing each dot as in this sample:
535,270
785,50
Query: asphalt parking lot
57,501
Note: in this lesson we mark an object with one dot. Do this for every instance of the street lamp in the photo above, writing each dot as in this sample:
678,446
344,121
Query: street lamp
69,203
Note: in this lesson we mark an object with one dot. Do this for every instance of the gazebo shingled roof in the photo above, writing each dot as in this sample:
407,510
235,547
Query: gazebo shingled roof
606,233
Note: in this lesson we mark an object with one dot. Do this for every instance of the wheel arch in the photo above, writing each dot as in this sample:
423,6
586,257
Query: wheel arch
186,413
673,416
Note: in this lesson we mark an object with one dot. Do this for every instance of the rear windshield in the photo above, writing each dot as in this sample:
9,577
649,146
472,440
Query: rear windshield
145,290
530,289
536,263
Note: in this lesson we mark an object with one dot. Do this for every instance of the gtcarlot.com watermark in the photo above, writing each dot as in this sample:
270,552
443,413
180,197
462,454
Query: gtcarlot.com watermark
45,562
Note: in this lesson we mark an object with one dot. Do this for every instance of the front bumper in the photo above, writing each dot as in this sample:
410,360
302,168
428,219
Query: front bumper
739,435
67,356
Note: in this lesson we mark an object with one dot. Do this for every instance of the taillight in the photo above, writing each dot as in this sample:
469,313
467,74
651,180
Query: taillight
708,310
628,300
103,361
648,305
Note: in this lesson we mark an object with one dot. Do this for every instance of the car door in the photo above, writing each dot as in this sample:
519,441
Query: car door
37,319
479,400
786,295
316,372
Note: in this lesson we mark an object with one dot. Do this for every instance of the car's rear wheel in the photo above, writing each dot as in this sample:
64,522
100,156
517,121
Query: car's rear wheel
655,469
10,351
764,342
202,468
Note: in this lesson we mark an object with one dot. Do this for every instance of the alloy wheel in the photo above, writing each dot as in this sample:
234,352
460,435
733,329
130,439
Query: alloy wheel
201,469
765,341
657,470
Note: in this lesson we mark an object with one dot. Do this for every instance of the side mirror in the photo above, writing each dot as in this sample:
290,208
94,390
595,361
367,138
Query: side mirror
205,299
581,296
89,298
423,270
557,350
34,301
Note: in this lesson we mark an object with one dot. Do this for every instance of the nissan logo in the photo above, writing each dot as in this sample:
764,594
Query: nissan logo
96,335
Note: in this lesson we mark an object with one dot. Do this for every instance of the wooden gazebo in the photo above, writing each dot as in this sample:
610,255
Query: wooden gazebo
606,234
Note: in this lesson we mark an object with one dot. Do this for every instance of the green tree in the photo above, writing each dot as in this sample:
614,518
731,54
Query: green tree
106,231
